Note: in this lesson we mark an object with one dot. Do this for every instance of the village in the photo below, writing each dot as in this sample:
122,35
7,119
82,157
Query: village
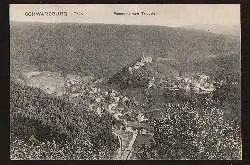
132,128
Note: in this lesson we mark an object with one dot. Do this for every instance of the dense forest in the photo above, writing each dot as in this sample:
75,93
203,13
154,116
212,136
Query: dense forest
75,131
103,50
181,87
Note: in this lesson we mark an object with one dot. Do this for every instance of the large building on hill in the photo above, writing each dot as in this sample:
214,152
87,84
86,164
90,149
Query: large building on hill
135,75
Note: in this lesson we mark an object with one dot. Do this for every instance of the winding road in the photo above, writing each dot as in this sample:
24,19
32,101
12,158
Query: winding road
125,155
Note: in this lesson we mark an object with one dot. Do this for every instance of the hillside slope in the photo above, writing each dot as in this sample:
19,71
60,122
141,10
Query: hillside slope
178,89
103,50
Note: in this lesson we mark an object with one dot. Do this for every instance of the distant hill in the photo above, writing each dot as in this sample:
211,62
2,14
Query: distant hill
218,29
102,49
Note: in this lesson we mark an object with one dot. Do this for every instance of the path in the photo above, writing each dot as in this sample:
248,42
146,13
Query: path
126,143
127,153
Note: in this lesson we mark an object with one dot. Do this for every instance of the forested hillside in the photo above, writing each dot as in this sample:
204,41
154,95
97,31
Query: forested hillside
98,91
103,50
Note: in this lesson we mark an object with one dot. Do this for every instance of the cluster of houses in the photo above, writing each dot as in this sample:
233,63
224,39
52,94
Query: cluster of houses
103,100
199,84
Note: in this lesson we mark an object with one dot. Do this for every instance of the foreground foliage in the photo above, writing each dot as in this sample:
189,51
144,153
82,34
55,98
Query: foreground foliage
68,125
196,126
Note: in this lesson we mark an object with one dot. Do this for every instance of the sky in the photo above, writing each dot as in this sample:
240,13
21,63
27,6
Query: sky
172,15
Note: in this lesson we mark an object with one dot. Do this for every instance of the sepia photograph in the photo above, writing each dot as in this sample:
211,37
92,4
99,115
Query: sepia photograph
125,82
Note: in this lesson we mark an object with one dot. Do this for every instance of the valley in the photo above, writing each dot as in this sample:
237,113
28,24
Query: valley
154,93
